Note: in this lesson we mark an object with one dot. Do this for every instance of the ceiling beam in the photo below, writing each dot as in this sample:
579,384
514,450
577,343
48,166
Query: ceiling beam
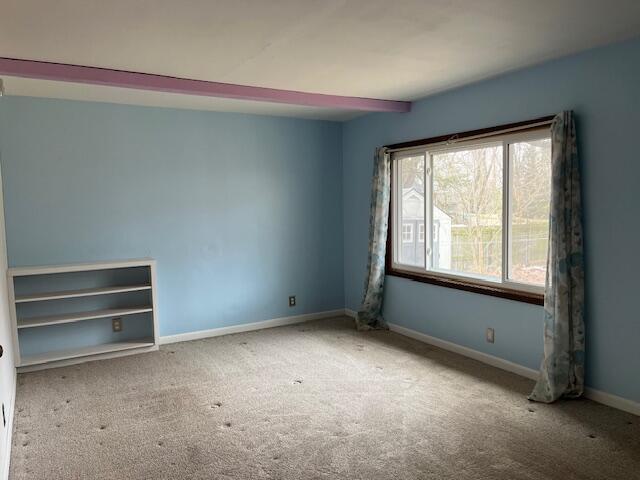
161,83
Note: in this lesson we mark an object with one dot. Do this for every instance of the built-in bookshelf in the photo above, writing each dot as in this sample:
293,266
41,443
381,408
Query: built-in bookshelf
65,314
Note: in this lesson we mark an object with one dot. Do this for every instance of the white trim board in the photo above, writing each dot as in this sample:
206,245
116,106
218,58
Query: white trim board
79,267
248,327
466,352
4,475
611,400
599,396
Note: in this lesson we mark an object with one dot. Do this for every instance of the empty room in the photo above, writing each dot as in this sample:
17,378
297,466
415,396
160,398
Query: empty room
319,239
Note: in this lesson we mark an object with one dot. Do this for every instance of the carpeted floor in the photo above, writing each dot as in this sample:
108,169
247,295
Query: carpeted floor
316,400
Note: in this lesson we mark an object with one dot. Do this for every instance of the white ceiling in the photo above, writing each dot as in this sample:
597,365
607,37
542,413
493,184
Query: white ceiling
391,49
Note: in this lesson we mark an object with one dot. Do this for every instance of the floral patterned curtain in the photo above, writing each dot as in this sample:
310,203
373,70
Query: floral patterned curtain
370,315
562,371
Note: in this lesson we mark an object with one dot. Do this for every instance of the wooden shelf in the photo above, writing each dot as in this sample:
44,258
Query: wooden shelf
86,292
98,290
80,267
85,351
80,316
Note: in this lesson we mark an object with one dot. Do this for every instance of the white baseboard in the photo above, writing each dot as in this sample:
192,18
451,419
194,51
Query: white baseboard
466,352
611,400
9,431
247,327
599,396
459,349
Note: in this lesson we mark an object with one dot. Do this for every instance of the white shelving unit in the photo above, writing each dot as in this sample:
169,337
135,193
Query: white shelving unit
41,306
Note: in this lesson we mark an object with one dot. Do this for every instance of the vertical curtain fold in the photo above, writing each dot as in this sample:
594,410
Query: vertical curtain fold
562,370
369,316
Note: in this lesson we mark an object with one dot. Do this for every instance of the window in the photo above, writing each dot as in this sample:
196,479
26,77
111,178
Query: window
481,207
529,193
407,233
410,171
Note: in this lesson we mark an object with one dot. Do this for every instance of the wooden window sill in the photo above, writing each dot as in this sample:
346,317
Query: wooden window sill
470,286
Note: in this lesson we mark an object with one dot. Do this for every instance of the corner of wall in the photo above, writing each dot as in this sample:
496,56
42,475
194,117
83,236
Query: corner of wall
7,365
340,151
5,457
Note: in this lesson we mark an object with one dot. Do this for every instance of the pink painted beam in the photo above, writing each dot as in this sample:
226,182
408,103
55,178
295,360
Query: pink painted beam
160,83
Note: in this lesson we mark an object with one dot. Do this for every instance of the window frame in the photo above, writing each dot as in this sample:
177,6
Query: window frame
503,135
421,232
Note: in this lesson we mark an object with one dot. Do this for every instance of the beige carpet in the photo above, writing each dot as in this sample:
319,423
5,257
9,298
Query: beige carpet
317,400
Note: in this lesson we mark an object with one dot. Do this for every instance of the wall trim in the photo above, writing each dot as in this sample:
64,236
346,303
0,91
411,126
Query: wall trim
248,327
9,431
611,400
598,396
466,352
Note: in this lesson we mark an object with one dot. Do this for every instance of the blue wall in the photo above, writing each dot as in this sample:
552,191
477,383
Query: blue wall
240,211
603,88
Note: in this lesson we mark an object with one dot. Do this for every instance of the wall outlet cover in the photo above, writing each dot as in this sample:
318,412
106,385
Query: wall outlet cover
292,301
491,335
116,324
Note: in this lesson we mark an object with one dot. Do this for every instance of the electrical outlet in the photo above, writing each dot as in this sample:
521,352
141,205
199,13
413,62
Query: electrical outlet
292,301
491,335
116,324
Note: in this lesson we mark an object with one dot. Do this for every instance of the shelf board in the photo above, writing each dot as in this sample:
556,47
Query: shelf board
85,351
79,316
81,267
86,292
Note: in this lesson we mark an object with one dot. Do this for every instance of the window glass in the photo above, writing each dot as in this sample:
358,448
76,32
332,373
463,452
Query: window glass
410,197
467,212
530,189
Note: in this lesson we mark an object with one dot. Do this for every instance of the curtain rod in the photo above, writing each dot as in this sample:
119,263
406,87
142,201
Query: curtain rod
472,134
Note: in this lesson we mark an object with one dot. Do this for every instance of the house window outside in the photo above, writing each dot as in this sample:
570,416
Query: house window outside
481,210
407,233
